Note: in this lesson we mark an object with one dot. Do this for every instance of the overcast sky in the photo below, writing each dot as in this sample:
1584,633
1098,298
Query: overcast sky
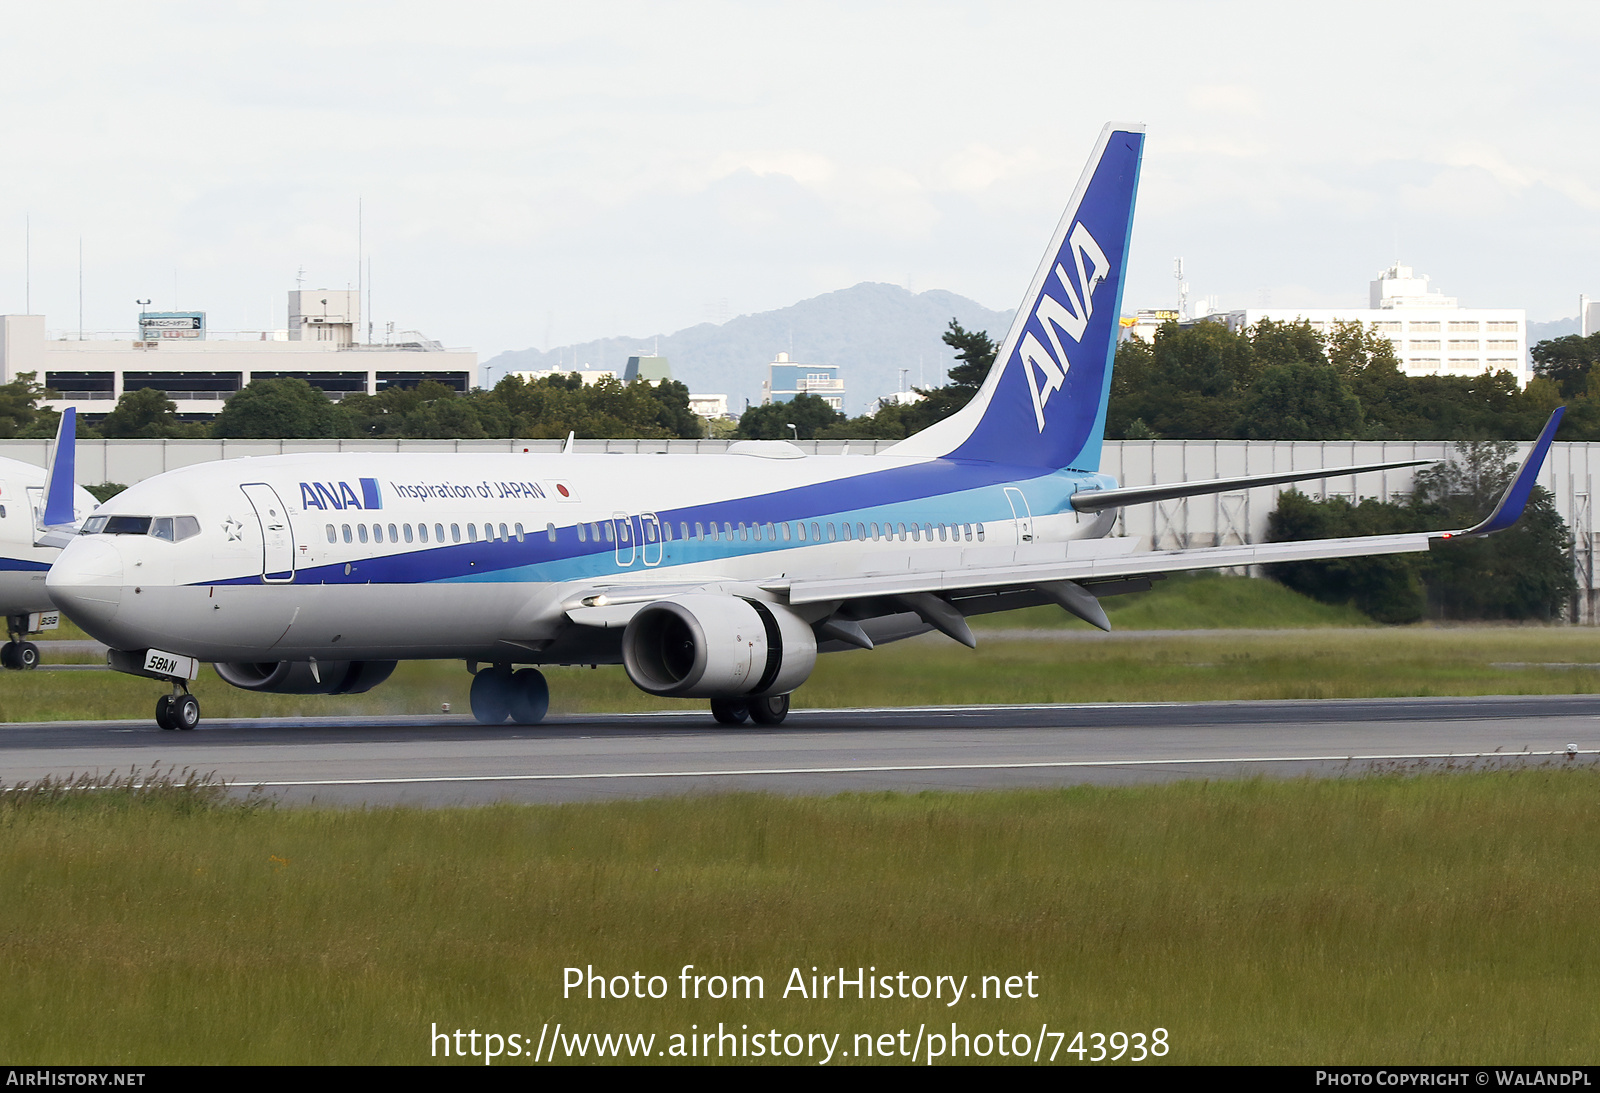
539,174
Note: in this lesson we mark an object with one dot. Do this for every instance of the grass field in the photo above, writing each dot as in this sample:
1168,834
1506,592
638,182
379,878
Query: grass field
1391,919
1396,919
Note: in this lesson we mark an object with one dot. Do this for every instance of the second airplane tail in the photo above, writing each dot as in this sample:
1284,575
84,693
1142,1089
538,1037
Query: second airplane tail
1044,401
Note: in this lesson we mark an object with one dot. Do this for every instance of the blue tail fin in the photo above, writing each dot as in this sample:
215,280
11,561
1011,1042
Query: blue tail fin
1044,401
63,472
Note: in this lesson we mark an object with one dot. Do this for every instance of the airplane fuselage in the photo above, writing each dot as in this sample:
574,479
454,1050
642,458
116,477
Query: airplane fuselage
400,556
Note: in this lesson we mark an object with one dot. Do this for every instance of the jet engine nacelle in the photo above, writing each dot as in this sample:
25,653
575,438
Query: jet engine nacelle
707,646
296,677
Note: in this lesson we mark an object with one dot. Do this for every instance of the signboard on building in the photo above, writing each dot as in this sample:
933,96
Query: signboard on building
171,324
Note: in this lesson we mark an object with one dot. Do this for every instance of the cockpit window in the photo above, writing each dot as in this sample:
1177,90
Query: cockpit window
172,529
118,525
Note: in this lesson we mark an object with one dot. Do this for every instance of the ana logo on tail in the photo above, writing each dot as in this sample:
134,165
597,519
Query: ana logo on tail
1070,316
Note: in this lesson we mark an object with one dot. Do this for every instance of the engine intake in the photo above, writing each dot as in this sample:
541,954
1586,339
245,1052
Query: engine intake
296,677
706,646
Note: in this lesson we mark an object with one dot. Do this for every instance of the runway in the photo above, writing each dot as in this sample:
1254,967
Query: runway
430,761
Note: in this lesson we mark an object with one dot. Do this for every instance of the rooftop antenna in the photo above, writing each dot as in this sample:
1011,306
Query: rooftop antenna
358,256
1183,289
300,278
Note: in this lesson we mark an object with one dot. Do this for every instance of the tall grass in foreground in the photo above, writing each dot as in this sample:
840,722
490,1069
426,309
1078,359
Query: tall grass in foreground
1383,919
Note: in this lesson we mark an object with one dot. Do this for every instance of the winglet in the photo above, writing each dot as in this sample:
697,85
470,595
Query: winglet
1515,499
63,472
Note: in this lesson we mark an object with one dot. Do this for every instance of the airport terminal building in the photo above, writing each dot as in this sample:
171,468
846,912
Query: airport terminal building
174,353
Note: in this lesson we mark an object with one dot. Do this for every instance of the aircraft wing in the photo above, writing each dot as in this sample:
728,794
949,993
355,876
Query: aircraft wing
1095,500
1095,566
925,581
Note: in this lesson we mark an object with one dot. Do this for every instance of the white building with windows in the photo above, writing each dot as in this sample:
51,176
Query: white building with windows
199,369
1432,334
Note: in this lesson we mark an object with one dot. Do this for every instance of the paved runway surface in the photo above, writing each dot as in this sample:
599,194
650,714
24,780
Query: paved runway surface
451,760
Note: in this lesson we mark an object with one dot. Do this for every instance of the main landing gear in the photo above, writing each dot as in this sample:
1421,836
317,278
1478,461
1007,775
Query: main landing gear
763,711
178,710
498,693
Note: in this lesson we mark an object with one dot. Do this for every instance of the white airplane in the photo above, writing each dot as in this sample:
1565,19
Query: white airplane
715,577
39,510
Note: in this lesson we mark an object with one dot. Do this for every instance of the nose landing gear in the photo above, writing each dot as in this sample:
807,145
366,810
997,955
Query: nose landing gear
19,654
178,711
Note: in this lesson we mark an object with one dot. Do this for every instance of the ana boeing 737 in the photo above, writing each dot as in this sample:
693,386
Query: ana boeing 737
717,577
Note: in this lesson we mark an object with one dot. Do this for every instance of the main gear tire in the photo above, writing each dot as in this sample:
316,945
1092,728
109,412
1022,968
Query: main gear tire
730,711
770,710
530,696
491,695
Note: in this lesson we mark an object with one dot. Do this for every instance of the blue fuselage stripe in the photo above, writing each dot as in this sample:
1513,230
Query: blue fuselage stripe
938,491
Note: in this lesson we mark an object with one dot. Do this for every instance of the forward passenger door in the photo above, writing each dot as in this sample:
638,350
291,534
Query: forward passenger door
277,537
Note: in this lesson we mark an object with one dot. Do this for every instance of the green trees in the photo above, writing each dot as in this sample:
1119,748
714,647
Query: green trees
808,413
20,414
1522,573
147,414
1287,381
548,407
276,408
1568,362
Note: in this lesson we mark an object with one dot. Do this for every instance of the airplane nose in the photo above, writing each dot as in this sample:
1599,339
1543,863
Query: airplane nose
86,581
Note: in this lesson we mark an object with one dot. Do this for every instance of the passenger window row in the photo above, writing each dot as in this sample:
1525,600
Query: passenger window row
394,533
615,531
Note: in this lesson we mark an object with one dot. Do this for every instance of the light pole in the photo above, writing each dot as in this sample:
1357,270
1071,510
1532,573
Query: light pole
791,427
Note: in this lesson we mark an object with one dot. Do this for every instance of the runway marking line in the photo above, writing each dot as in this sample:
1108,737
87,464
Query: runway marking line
923,767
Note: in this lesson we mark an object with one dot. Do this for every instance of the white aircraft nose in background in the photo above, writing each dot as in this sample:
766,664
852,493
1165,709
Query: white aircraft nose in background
87,582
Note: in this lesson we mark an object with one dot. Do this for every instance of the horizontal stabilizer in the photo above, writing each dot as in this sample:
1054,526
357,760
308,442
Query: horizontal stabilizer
1096,500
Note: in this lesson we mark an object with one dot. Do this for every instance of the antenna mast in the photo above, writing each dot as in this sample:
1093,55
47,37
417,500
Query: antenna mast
359,241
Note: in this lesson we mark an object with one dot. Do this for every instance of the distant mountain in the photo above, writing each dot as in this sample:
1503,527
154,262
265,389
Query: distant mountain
872,330
1555,328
